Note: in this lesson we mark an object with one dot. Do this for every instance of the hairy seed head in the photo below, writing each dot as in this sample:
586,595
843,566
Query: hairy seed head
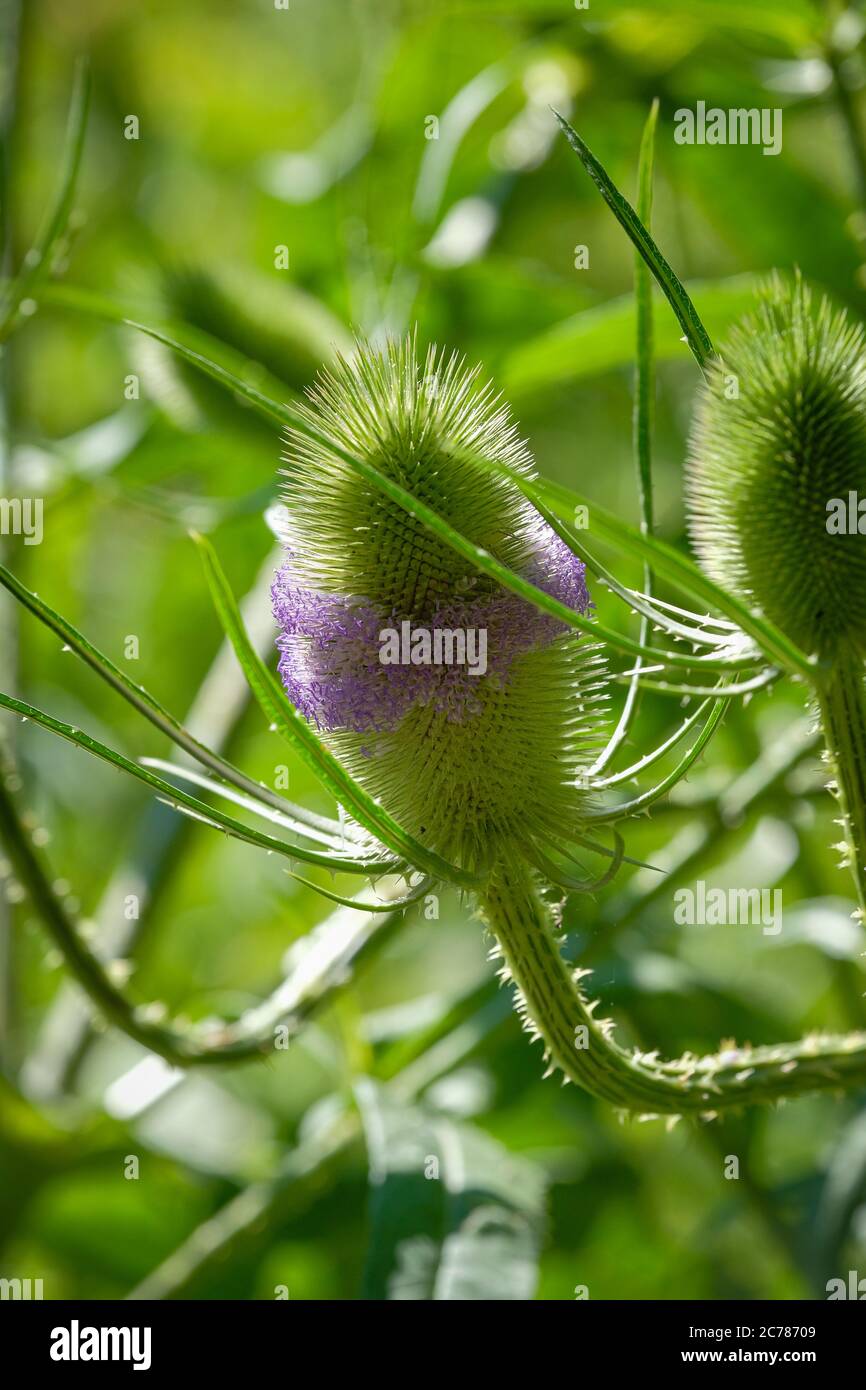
461,757
778,445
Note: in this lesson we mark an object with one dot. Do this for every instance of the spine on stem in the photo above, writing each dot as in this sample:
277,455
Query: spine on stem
556,1010
842,704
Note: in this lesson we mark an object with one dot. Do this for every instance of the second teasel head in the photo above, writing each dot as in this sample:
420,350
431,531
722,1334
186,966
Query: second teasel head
778,444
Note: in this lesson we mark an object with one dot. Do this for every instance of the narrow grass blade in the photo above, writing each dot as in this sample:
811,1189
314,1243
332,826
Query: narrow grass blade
153,711
687,315
37,262
645,368
180,801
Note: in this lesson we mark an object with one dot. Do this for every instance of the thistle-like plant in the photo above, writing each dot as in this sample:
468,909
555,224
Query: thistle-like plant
496,776
481,766
410,500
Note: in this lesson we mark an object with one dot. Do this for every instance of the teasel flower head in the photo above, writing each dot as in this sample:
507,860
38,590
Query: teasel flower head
777,449
470,754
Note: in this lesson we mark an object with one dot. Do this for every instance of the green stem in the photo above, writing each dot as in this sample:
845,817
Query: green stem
842,702
218,1041
845,103
583,1048
37,263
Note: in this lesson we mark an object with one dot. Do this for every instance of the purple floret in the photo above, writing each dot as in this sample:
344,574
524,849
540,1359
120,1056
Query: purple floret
330,644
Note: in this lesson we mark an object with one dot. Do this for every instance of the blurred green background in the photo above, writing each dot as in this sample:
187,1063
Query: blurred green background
266,134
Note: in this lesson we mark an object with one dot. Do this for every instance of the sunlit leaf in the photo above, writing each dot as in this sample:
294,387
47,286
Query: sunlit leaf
602,339
454,1215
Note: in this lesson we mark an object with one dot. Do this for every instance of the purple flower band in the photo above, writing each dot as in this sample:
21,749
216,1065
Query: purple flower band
331,645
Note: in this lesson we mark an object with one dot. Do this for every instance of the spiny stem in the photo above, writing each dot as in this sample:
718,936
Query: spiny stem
842,702
217,1041
557,1011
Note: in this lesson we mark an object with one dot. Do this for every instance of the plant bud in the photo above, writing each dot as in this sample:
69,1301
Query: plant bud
777,468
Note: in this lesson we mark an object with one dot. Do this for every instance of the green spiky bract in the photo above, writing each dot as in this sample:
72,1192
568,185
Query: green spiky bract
510,773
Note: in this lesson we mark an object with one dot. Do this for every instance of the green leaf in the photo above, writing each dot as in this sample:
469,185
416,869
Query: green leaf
37,262
281,713
182,801
601,339
154,712
671,287
843,1192
454,1215
645,373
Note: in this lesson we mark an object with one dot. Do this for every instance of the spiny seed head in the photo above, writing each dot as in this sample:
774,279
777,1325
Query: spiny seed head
462,759
779,436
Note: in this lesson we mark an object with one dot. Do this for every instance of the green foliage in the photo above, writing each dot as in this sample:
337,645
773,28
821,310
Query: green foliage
453,1215
307,128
